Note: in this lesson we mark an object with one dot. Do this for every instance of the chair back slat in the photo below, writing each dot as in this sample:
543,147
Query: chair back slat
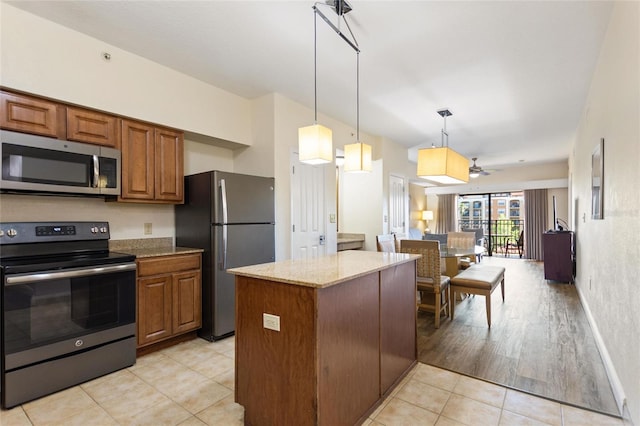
428,266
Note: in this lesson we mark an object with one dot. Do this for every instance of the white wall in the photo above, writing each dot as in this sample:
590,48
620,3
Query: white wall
126,220
42,57
607,266
199,157
360,206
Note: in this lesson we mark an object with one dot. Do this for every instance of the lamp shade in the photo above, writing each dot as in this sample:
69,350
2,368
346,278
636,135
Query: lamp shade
315,145
357,157
443,165
427,215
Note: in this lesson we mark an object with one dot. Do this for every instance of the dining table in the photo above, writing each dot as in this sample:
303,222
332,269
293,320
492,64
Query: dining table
452,256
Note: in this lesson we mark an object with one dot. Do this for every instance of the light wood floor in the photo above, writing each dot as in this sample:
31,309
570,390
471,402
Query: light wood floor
539,342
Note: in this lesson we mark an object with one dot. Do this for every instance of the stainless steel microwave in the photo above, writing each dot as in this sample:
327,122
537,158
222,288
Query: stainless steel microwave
40,164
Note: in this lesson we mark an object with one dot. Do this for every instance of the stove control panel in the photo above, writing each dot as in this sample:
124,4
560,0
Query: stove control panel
37,232
55,230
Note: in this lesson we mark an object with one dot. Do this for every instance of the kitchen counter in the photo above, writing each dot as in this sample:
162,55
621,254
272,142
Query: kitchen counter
334,334
324,271
347,241
150,247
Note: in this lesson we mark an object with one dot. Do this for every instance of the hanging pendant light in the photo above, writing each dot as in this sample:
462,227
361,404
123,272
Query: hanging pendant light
315,144
443,165
357,156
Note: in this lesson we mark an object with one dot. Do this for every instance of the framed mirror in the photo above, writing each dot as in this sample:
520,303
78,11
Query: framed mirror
597,181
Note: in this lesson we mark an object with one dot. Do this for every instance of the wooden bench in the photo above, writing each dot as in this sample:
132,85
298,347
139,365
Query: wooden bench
478,279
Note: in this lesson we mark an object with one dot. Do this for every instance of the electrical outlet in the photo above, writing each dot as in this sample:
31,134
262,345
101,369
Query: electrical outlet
272,322
148,229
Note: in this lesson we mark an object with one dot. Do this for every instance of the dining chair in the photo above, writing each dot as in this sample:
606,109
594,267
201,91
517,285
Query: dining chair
430,281
399,237
386,243
463,241
511,244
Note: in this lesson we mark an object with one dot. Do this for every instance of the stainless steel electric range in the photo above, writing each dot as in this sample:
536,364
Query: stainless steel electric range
68,307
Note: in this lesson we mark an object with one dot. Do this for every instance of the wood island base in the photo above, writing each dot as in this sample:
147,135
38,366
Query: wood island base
340,349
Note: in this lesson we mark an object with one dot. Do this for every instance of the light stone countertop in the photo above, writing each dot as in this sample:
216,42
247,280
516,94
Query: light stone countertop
325,271
150,247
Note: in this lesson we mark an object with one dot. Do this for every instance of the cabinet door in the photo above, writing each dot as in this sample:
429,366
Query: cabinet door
92,127
32,115
187,301
154,308
137,161
169,159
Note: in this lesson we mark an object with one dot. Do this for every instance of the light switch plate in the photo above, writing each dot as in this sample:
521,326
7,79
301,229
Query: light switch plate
272,322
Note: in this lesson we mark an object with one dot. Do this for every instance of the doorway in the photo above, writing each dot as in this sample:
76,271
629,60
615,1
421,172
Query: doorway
501,216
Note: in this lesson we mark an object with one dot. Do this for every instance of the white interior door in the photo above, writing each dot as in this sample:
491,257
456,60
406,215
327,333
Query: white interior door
397,205
308,233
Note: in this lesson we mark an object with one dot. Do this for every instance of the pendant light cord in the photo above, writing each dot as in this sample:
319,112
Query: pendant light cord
315,66
358,97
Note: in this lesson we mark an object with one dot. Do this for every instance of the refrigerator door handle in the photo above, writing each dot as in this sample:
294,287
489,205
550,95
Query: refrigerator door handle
223,195
223,263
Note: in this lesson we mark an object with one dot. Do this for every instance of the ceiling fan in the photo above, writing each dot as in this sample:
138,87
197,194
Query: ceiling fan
475,170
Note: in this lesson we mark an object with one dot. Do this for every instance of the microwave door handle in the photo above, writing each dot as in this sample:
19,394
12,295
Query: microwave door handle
96,171
223,195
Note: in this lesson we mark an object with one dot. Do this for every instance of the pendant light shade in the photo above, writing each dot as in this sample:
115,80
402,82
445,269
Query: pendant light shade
443,165
357,157
314,144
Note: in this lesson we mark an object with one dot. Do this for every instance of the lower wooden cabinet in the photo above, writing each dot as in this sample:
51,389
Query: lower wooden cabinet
169,297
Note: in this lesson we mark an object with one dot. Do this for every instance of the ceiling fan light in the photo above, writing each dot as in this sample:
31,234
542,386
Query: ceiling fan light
315,144
474,175
443,165
357,157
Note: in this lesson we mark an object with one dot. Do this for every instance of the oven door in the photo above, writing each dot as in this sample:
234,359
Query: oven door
53,313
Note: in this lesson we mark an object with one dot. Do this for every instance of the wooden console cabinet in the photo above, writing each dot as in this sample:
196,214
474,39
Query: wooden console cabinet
558,256
169,297
346,335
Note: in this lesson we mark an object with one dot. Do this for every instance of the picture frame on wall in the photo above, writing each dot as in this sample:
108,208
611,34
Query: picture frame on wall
597,181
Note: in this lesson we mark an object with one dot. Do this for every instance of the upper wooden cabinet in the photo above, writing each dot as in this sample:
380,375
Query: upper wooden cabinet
152,163
32,115
152,169
92,127
29,114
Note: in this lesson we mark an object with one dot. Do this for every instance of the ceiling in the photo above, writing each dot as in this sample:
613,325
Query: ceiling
514,74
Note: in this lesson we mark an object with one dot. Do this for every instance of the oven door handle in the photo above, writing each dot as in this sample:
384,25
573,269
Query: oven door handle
29,278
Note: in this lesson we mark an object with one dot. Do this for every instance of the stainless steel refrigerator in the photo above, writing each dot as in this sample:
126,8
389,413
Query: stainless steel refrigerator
232,218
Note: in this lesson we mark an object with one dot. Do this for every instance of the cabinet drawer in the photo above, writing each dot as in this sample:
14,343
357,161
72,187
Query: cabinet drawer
168,264
92,127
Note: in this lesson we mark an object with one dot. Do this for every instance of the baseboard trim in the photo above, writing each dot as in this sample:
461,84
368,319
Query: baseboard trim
614,380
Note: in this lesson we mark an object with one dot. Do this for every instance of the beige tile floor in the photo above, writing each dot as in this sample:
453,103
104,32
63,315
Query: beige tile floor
192,384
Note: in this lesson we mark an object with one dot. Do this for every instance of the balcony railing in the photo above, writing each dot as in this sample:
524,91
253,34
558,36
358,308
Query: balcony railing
496,232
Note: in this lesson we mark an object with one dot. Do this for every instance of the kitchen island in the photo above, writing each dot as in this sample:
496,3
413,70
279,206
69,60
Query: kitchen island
323,341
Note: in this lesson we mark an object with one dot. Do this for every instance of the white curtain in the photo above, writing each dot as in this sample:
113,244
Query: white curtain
446,213
535,205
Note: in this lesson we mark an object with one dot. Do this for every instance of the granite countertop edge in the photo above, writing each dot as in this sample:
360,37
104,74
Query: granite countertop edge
320,273
150,247
140,253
